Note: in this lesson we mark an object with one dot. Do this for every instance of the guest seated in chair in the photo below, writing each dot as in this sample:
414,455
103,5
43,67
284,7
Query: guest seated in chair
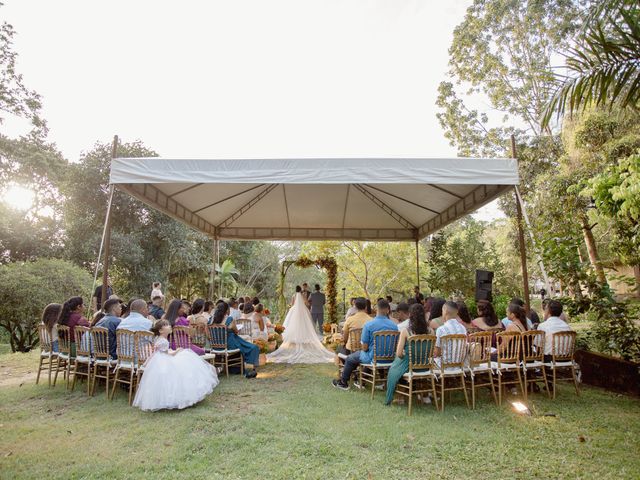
402,311
379,323
417,325
435,315
553,324
451,326
176,316
110,321
156,310
137,319
71,316
250,352
357,320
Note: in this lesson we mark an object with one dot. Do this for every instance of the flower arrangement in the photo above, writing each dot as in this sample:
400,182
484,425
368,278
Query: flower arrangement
262,344
279,328
267,312
326,327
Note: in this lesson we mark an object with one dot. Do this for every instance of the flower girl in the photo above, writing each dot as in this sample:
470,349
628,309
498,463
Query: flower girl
173,378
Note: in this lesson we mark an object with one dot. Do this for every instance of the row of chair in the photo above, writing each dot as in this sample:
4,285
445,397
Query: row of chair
471,361
92,359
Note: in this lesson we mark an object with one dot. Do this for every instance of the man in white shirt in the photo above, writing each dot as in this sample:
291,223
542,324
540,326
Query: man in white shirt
552,324
352,309
394,306
402,310
137,319
452,326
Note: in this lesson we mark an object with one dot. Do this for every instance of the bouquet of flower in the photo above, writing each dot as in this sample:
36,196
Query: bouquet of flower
279,328
266,311
326,327
262,344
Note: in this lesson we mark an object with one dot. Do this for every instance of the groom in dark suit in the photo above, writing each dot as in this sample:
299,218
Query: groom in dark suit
317,300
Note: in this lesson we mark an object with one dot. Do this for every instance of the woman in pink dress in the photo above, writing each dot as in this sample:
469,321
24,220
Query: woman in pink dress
176,316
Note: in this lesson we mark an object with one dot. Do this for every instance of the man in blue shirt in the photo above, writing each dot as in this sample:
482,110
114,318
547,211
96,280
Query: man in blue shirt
379,323
110,321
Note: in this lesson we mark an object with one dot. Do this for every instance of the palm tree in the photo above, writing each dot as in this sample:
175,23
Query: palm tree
226,275
604,66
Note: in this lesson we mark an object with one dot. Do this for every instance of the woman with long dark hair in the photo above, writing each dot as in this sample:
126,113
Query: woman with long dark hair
400,366
198,315
50,320
487,318
464,315
250,352
175,315
71,316
435,316
518,317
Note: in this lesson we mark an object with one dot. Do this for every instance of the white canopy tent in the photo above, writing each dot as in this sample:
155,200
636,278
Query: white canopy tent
377,199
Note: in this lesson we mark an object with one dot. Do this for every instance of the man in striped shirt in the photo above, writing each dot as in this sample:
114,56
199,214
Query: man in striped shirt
452,326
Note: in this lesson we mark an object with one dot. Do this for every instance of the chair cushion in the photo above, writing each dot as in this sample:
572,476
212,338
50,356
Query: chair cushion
449,371
536,364
421,374
222,352
378,365
478,368
126,365
505,366
83,359
558,364
209,356
104,361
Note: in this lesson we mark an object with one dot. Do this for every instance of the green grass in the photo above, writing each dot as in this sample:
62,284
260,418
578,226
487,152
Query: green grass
291,423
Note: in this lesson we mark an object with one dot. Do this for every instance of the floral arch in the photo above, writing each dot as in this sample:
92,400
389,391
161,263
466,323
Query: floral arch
331,267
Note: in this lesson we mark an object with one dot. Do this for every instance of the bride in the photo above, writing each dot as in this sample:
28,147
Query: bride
300,341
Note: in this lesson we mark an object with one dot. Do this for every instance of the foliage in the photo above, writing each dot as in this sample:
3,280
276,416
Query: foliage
503,50
616,193
603,65
455,253
226,276
25,289
15,98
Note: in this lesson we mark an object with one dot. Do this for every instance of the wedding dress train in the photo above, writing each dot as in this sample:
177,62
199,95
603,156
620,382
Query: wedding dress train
300,341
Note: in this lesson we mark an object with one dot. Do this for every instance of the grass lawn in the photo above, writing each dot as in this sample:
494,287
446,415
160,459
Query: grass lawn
291,423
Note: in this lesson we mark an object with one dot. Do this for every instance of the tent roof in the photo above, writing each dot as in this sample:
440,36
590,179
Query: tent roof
316,199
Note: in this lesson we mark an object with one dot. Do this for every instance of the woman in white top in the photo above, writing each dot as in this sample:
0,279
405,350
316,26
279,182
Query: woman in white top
259,323
50,320
156,291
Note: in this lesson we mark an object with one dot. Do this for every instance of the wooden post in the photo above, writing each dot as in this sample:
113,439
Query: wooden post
523,250
418,262
107,234
213,270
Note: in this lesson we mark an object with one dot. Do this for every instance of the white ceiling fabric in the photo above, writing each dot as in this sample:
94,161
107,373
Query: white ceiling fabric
302,199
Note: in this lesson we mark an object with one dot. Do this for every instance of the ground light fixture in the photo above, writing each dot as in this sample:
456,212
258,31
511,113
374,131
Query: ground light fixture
521,408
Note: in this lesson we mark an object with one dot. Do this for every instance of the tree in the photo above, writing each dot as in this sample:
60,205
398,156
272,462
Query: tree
25,289
15,98
226,276
616,193
604,69
503,50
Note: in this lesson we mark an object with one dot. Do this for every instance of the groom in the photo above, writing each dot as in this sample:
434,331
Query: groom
317,301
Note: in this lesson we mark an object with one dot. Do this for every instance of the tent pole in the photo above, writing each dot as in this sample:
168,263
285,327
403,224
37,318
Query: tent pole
213,270
523,251
418,263
533,242
107,232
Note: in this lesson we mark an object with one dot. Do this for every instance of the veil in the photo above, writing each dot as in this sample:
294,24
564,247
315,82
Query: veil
300,340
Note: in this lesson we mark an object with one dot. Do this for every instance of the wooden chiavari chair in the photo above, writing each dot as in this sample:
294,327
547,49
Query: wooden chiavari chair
82,364
384,351
126,350
102,361
65,360
198,335
508,360
479,363
450,364
47,355
245,328
420,377
144,350
563,350
223,356
532,349
353,345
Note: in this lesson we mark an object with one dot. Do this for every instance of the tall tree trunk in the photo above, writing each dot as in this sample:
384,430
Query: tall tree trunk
636,274
592,250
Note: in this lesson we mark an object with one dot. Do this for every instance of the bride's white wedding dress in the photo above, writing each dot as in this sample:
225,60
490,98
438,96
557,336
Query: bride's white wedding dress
300,341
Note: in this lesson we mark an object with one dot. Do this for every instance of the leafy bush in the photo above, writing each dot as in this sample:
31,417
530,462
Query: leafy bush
26,288
500,304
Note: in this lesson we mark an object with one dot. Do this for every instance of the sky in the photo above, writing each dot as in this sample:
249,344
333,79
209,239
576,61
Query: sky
241,78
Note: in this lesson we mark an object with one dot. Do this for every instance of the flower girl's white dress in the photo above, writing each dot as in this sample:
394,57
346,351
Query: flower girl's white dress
174,381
